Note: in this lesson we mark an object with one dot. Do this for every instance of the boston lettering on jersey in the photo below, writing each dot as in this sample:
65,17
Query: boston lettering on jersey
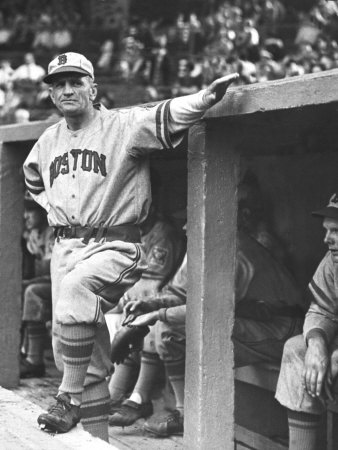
87,160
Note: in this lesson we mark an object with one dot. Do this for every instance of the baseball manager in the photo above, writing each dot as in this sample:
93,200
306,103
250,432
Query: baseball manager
90,172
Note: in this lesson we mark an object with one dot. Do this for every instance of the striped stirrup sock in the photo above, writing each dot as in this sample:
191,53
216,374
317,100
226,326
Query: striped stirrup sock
176,376
77,343
95,410
36,338
123,379
149,372
303,430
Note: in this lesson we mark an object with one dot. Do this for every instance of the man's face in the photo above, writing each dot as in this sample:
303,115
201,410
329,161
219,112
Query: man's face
72,94
331,237
33,218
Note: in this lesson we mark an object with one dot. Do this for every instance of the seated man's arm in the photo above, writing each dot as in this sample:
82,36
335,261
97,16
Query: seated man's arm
316,363
320,327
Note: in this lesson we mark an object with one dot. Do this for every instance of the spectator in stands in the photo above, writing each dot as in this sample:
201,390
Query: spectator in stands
310,361
159,63
248,41
23,32
21,115
29,70
5,32
131,58
6,72
62,37
12,101
43,41
37,301
187,82
269,308
248,72
105,61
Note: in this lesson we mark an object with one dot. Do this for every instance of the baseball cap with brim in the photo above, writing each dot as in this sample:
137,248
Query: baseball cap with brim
69,63
330,211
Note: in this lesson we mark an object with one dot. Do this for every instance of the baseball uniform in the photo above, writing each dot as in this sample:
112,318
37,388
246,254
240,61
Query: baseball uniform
98,177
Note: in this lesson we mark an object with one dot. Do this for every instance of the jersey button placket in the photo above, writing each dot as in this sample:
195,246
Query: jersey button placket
74,188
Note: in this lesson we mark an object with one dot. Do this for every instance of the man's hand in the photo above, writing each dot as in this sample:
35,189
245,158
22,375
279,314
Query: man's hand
331,375
133,309
146,319
316,364
216,90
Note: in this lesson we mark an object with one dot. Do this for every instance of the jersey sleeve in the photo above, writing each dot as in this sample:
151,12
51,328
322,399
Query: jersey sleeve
322,315
33,178
174,315
244,274
162,126
149,129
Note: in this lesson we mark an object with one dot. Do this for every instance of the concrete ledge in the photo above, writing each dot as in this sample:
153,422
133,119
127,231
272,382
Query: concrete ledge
19,429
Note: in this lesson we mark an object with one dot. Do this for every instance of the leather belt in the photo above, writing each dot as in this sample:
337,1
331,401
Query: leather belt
126,233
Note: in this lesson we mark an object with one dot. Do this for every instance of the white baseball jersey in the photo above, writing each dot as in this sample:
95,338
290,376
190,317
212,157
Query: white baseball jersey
95,175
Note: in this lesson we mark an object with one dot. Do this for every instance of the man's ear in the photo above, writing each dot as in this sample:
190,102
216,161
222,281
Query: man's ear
50,90
93,92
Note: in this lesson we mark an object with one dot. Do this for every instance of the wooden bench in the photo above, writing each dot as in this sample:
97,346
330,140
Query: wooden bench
263,376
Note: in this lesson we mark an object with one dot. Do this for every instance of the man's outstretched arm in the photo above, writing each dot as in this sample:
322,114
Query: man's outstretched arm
186,110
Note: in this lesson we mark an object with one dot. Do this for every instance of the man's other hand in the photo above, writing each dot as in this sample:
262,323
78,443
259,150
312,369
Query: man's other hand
316,365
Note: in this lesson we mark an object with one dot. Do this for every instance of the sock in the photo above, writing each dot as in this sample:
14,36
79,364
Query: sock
95,410
176,376
123,378
136,397
77,343
149,370
303,430
36,334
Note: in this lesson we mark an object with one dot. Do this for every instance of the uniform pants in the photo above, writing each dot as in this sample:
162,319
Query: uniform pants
87,281
254,341
37,302
290,392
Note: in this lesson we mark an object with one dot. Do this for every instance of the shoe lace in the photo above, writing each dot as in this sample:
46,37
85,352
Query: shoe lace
60,406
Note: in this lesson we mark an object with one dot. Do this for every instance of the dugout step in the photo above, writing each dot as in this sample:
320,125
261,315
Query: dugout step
19,429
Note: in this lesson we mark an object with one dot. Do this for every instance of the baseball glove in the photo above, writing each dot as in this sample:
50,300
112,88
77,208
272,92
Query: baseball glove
128,339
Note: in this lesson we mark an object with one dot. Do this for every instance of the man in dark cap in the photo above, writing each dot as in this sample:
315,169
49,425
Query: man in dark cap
310,361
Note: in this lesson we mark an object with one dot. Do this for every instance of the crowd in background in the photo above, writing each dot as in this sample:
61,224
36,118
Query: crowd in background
261,39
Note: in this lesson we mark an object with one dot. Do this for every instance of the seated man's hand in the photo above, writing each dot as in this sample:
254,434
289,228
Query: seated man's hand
136,308
315,365
331,375
145,319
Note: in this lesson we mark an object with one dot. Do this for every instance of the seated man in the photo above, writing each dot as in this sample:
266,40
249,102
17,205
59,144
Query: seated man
268,311
164,246
310,361
37,296
138,405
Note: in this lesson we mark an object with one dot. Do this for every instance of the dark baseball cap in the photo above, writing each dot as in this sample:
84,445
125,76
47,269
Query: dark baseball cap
331,210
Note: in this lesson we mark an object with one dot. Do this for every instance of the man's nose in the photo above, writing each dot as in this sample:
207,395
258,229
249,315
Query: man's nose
327,237
68,89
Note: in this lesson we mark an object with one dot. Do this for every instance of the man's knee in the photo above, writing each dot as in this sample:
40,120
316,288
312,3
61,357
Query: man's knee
170,341
294,350
33,304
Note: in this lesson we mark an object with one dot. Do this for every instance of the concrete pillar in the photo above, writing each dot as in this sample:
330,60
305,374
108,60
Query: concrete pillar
213,168
11,216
